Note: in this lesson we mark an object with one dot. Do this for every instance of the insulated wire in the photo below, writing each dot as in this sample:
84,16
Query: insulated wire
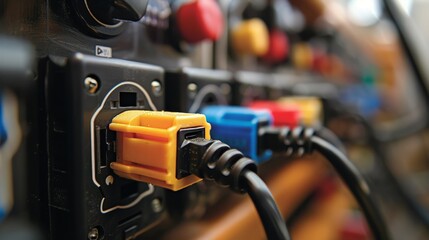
356,183
230,168
375,144
273,222
328,135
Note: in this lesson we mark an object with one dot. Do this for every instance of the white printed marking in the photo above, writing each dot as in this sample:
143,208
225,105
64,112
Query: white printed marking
102,51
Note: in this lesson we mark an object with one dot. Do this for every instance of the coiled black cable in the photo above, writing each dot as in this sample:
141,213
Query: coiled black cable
214,160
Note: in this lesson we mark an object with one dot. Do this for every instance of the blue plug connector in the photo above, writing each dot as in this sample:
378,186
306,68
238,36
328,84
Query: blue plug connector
238,127
3,133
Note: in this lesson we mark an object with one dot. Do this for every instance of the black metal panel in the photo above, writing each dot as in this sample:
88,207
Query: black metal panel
84,193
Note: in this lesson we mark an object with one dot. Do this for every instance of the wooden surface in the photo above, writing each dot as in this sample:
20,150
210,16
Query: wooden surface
325,217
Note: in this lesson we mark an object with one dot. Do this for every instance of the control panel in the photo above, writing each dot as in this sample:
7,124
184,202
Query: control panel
109,109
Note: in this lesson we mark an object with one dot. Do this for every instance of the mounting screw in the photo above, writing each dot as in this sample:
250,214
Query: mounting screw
156,87
156,205
192,89
91,84
93,234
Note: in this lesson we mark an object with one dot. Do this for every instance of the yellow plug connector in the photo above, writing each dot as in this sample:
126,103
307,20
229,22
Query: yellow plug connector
311,109
147,143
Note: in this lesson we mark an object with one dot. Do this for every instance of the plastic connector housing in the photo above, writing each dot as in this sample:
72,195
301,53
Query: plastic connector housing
238,127
283,115
310,108
146,146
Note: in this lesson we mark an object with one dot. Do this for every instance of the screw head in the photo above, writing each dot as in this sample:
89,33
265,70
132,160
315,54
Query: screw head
192,89
156,205
93,234
156,87
91,84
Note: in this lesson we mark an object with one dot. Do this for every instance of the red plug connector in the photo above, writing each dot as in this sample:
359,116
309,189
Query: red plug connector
282,115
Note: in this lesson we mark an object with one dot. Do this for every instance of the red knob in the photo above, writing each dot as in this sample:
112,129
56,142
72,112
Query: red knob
199,20
278,47
320,62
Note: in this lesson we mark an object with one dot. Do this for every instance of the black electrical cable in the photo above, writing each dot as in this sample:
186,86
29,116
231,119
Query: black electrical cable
301,141
375,144
355,182
411,46
328,135
338,110
214,160
271,218
417,208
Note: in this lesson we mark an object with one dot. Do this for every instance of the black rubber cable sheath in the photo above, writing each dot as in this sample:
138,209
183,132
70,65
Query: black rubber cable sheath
329,136
271,218
416,208
356,183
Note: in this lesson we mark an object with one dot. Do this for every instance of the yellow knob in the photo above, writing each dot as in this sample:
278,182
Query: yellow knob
302,56
250,37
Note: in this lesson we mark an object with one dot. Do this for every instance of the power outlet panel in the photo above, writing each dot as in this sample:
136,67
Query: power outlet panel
86,199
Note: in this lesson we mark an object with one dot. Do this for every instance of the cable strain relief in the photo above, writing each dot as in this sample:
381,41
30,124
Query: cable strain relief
225,166
209,159
301,140
237,171
296,141
308,135
227,160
